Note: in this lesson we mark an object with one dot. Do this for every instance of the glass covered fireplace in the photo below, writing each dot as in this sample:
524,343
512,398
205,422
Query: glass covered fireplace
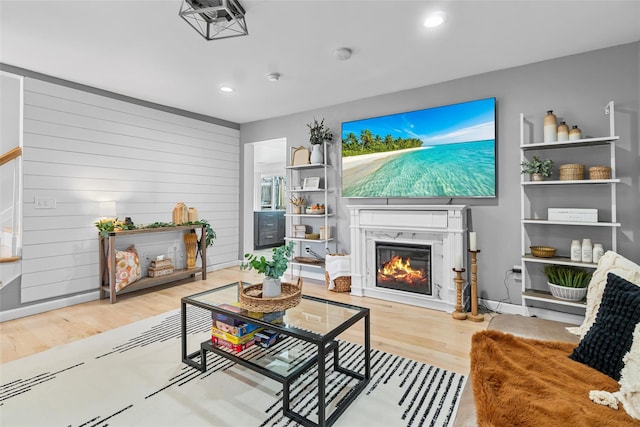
404,267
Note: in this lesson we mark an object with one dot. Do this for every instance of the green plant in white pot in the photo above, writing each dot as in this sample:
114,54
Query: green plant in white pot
318,134
537,169
272,269
566,282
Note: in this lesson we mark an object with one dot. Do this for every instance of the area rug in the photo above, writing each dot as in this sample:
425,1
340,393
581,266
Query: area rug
526,382
134,376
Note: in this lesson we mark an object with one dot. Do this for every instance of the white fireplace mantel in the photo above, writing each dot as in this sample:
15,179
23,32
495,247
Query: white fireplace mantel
443,227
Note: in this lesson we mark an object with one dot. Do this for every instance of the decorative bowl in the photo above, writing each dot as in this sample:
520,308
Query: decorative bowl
543,251
568,294
315,211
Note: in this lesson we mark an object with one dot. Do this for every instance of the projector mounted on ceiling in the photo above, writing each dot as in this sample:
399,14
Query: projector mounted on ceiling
215,19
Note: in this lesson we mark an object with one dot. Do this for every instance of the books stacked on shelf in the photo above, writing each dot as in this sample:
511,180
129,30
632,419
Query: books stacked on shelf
160,267
238,335
231,333
299,231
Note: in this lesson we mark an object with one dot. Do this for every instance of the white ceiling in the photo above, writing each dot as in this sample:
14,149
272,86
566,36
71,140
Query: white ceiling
143,49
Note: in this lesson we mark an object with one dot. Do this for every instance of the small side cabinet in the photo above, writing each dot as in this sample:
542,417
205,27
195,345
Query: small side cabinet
268,229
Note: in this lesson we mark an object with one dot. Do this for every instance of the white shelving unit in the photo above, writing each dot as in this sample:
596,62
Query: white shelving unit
324,195
535,292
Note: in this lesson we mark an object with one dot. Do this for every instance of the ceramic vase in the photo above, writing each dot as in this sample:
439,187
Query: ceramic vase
271,288
317,156
575,133
537,177
563,132
550,127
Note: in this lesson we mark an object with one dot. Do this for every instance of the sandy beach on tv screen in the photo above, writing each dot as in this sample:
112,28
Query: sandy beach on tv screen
354,168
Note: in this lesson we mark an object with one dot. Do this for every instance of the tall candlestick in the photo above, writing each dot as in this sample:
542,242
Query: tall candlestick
474,316
458,313
458,263
473,241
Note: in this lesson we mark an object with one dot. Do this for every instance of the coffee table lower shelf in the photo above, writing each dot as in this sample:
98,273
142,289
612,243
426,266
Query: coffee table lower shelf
288,380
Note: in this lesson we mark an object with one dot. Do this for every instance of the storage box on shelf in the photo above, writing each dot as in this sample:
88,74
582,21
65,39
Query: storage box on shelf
312,226
160,274
539,231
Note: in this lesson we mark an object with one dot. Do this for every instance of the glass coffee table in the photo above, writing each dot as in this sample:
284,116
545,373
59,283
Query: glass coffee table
310,329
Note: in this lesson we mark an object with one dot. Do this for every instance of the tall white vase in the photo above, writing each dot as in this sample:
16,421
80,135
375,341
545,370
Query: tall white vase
317,156
271,287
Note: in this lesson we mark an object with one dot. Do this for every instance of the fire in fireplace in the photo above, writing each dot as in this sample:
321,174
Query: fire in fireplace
404,267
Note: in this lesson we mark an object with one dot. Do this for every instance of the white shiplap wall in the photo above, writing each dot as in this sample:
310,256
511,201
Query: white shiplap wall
81,148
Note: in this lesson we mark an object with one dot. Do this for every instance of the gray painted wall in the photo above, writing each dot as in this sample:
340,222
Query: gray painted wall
577,87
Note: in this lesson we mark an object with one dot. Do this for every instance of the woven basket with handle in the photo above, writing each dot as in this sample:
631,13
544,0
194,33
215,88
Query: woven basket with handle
252,300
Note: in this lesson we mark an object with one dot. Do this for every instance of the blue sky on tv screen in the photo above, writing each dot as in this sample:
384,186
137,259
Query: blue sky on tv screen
469,121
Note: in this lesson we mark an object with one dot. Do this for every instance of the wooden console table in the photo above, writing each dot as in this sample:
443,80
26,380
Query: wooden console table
108,262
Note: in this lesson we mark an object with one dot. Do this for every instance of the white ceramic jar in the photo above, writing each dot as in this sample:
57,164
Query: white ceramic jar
576,251
598,251
587,250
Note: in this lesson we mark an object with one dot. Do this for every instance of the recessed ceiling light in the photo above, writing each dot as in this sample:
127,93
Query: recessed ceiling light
226,89
273,77
342,53
435,19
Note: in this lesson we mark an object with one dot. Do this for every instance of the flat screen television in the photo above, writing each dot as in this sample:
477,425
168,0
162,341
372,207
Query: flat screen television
447,151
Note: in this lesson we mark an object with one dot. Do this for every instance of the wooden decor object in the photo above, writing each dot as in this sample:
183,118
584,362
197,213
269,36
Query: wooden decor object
458,314
474,316
300,156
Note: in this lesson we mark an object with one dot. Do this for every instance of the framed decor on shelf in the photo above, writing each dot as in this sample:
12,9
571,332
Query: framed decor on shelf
299,156
311,183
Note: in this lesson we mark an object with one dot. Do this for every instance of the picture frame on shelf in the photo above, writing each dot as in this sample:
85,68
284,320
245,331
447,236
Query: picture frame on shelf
300,156
311,183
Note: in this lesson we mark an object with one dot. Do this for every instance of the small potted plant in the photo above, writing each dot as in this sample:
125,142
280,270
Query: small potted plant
566,282
272,269
318,134
537,169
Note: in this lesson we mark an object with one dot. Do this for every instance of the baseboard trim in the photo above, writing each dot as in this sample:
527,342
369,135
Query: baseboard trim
32,309
42,307
501,307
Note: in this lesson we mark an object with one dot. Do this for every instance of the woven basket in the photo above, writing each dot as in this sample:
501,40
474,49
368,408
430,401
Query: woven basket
543,251
599,172
252,300
340,284
572,171
568,294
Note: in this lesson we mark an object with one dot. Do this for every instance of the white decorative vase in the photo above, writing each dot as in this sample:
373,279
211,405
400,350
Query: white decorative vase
317,156
271,288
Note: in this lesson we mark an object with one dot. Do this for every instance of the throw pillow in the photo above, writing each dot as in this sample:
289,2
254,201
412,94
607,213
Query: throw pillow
127,267
611,262
611,336
629,393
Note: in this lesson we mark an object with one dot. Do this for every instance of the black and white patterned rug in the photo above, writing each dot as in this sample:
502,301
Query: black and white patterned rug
134,376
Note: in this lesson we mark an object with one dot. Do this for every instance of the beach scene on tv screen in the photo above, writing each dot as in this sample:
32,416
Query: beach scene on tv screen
446,151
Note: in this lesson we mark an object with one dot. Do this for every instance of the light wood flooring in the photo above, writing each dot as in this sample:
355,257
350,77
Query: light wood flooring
420,334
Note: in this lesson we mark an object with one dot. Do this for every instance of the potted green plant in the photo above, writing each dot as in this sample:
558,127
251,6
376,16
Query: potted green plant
537,169
318,134
272,269
567,282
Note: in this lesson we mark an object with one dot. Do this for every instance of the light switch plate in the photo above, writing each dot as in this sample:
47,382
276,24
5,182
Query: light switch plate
45,202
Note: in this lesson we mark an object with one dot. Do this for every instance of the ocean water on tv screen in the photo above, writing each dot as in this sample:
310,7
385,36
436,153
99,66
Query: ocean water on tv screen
464,169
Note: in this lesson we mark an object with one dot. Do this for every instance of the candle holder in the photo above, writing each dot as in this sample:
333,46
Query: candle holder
474,316
458,314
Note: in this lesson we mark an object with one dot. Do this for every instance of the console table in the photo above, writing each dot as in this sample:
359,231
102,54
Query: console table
314,322
108,261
